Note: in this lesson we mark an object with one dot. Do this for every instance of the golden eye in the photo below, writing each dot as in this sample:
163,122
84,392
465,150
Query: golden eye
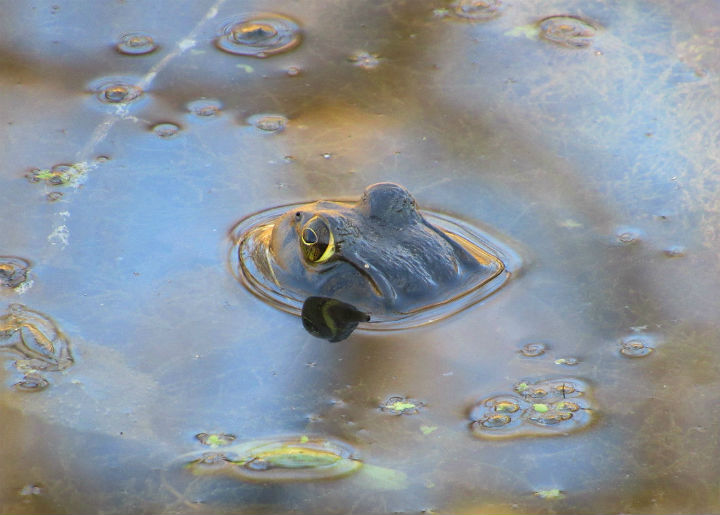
318,243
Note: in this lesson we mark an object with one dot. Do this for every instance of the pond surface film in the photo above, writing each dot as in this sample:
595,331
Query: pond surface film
584,134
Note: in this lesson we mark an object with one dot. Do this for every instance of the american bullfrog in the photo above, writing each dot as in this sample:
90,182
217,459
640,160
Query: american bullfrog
379,254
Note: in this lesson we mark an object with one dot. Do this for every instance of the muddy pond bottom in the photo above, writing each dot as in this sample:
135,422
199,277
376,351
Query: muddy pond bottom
251,264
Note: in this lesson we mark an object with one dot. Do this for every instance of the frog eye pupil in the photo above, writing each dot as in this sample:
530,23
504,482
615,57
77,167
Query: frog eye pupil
318,243
309,237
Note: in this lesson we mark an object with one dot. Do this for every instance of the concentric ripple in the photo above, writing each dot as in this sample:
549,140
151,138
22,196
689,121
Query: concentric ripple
279,460
247,239
542,408
259,35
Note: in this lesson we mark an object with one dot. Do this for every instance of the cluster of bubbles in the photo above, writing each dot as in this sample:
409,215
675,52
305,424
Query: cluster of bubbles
60,174
541,408
38,341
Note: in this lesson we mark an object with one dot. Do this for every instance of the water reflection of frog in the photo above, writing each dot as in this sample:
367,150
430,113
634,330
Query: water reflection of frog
378,254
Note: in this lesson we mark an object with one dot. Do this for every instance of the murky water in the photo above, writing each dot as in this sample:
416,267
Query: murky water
592,145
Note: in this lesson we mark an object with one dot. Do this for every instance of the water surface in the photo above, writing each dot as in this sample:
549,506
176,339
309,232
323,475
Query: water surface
599,160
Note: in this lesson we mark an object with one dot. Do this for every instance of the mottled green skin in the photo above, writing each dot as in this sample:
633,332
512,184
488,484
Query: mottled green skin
388,257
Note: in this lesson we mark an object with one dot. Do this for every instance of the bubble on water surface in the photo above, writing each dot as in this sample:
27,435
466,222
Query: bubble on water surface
569,361
54,196
268,122
477,10
627,235
116,91
259,35
165,130
300,458
495,420
32,382
674,251
205,108
533,349
541,408
293,71
13,271
365,60
135,43
568,31
635,347
397,405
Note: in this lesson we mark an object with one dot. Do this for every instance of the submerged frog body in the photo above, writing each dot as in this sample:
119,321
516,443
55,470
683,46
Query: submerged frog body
379,254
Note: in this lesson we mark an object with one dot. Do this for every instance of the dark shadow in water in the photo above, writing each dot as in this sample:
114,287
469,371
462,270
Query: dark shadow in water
330,319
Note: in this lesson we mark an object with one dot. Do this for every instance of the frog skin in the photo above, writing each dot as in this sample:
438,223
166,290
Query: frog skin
379,254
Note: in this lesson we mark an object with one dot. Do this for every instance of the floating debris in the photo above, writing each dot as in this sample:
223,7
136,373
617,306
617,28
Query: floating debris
397,405
285,459
215,439
551,494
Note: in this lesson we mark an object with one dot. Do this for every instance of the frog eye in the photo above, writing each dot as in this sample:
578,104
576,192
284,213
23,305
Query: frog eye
318,243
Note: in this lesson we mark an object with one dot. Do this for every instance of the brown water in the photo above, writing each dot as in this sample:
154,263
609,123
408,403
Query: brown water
600,161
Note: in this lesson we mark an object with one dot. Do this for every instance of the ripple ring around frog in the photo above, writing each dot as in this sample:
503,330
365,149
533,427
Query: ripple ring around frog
249,236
